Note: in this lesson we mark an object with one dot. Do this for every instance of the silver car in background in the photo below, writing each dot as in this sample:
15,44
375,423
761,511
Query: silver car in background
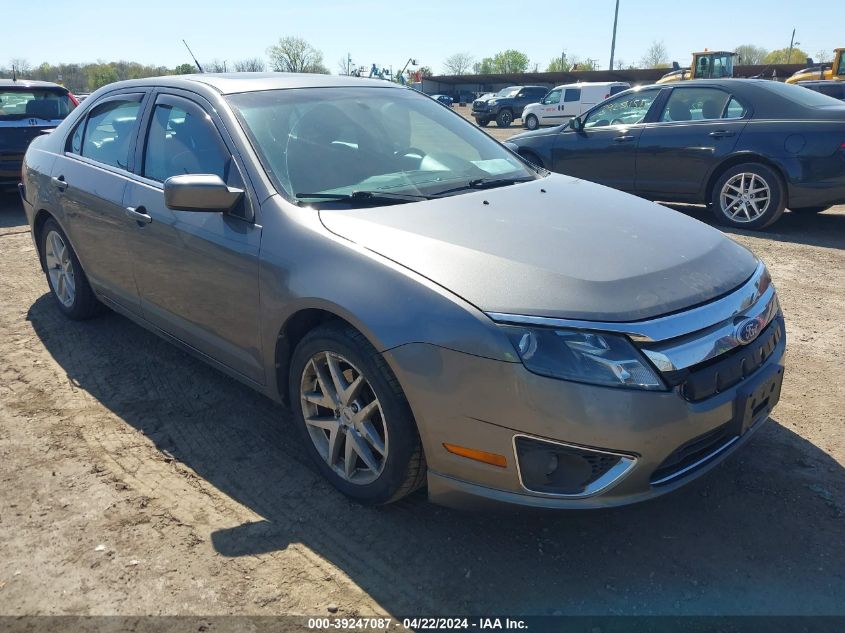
433,309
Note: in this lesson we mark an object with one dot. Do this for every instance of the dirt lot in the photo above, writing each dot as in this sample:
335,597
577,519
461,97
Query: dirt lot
136,480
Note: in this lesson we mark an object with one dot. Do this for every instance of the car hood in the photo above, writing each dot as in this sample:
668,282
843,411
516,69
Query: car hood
555,247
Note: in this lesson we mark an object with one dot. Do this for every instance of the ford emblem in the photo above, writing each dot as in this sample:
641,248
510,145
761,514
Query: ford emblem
747,331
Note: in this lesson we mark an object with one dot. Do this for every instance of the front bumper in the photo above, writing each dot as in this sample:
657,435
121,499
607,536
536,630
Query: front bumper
480,403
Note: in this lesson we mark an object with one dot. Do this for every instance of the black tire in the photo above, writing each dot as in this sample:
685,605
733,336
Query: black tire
482,122
84,304
404,467
504,118
531,122
772,210
810,210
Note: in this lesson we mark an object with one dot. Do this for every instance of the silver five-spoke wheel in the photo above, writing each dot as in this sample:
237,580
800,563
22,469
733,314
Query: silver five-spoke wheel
745,197
60,268
344,418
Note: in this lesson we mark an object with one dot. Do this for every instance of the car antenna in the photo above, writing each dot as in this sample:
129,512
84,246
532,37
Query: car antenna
192,56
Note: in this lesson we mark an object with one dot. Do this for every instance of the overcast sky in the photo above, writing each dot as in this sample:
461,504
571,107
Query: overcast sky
388,33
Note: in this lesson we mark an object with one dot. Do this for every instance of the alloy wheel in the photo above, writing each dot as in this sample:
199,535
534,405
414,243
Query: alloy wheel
60,268
745,197
344,418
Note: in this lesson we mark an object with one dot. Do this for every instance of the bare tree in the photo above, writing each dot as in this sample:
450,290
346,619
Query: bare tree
823,57
21,65
458,64
251,65
656,56
215,66
750,54
295,55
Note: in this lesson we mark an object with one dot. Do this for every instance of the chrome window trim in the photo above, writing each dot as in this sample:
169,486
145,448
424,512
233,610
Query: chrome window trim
684,339
610,478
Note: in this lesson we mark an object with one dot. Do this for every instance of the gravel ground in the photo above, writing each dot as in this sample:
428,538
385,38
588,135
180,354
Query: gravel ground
136,480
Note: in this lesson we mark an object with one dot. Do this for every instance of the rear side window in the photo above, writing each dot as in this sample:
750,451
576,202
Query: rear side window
694,104
106,134
34,103
617,89
182,140
572,94
735,109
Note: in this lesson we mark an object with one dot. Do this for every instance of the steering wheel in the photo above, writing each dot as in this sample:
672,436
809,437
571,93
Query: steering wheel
410,151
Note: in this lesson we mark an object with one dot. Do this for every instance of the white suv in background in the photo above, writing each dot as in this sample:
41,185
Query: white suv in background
564,102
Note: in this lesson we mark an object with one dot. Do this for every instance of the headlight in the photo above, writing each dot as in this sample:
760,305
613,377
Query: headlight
492,102
599,359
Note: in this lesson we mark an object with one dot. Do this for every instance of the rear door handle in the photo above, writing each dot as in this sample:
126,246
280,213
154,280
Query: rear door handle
139,214
624,138
722,133
59,182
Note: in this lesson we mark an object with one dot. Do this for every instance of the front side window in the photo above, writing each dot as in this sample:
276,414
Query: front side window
694,104
106,135
627,109
552,98
182,140
337,141
17,104
572,94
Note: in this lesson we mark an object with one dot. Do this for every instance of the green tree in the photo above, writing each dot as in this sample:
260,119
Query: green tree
510,61
584,64
184,69
559,64
780,56
750,54
100,75
484,67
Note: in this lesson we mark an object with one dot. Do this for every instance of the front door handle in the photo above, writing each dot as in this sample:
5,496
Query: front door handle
722,133
59,182
139,214
624,138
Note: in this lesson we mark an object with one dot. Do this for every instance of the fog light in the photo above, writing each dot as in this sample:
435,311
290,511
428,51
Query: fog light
552,468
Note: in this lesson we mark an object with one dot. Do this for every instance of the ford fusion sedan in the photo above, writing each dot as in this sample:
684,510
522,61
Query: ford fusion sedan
434,310
27,109
747,148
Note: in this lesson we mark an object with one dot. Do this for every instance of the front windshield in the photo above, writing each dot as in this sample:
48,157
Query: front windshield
326,141
507,92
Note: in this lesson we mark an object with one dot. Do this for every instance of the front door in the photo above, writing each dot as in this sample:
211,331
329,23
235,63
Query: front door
604,150
197,272
90,179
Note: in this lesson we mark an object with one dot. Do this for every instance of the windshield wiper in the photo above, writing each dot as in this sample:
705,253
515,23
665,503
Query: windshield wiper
364,196
484,183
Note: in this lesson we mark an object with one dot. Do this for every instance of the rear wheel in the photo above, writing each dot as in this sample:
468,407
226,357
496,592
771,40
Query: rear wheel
354,417
808,210
504,118
531,122
750,196
65,276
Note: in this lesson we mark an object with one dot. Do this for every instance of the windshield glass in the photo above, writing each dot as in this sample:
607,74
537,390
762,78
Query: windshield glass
507,92
799,94
382,140
34,103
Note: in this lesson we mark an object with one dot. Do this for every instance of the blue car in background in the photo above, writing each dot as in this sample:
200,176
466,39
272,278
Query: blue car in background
444,99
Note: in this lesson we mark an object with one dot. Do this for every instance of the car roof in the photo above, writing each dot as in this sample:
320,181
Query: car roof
29,83
597,84
231,83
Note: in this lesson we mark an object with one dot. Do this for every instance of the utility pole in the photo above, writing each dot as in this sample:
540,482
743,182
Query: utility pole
613,41
791,42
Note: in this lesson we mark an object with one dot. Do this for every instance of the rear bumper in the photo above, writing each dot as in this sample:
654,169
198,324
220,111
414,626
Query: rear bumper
10,170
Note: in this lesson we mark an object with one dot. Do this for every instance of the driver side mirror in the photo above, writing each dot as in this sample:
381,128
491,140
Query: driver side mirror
200,192
576,123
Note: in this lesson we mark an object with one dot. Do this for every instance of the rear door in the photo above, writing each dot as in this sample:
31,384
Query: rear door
90,178
697,127
604,150
570,105
197,272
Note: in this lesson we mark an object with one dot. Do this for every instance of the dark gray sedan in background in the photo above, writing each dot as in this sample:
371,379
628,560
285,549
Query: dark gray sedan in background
432,308
748,148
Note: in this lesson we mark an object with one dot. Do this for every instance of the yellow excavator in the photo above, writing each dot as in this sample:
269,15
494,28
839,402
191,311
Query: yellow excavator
835,70
705,65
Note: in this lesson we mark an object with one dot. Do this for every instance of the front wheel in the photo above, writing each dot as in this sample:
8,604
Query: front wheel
67,281
809,210
353,416
531,122
750,196
504,118
482,122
